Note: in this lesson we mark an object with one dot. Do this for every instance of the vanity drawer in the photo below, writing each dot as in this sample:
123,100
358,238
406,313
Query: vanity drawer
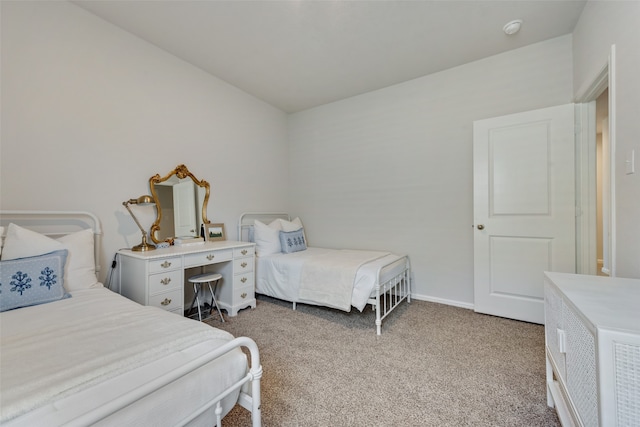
242,265
161,282
242,280
240,252
164,264
169,301
244,293
205,258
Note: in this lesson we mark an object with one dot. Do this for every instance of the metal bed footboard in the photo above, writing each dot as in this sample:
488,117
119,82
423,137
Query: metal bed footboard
249,402
389,294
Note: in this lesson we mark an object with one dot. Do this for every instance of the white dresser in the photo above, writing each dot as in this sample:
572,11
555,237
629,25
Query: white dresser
592,331
158,277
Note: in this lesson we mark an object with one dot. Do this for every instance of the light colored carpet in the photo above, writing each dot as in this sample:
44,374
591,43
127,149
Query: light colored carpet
433,365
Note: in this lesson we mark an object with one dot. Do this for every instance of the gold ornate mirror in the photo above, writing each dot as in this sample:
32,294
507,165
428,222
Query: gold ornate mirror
181,201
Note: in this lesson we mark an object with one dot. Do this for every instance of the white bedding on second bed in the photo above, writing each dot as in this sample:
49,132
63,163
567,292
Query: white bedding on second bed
279,275
62,359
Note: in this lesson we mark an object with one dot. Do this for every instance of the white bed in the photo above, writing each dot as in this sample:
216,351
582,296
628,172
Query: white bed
97,358
336,278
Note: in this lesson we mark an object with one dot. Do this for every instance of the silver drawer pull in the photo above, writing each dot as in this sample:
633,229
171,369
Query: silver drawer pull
210,257
165,281
243,265
166,302
244,252
165,264
244,295
244,279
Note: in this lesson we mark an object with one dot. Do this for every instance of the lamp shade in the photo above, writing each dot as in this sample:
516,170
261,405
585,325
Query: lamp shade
145,200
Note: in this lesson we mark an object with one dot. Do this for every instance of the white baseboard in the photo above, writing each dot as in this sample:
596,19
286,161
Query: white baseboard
454,303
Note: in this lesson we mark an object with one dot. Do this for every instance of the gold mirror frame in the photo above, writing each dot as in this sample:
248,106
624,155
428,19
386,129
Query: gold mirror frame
181,172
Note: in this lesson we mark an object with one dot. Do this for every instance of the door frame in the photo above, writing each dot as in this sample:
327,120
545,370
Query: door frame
586,203
586,171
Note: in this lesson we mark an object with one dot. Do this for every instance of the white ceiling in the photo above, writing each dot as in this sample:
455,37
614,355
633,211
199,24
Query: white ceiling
300,54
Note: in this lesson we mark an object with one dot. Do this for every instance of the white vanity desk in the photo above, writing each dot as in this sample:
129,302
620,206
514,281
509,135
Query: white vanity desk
157,277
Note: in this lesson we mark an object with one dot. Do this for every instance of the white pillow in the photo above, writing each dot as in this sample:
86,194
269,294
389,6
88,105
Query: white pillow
23,243
267,237
80,270
294,225
1,239
80,266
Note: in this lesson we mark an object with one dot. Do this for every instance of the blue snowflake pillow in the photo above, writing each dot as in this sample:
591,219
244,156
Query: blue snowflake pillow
292,241
33,280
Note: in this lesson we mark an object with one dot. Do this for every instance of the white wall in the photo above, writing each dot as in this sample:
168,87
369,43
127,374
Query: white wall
90,113
602,24
392,169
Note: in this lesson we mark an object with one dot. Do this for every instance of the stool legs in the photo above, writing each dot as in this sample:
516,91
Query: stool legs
213,300
196,291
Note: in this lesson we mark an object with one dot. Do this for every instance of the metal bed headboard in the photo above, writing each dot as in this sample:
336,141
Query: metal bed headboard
247,219
56,224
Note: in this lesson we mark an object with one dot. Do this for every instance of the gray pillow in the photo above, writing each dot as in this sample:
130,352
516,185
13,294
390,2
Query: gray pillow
292,241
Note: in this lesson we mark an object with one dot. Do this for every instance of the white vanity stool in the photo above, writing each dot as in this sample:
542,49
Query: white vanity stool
198,281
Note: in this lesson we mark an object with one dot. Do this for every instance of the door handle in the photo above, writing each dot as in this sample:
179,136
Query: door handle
480,226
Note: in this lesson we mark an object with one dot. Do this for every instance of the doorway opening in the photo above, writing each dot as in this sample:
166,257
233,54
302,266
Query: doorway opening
602,183
595,174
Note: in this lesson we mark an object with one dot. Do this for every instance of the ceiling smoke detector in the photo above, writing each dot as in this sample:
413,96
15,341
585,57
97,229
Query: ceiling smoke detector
512,27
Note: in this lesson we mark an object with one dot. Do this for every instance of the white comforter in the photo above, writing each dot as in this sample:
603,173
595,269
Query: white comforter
52,351
328,277
280,275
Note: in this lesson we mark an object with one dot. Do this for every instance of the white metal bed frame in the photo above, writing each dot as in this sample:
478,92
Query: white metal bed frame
388,294
59,223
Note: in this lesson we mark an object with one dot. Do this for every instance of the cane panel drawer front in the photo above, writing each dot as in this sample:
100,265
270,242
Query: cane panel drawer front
554,329
157,277
592,329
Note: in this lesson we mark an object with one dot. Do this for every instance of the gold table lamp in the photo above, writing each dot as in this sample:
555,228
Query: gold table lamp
142,201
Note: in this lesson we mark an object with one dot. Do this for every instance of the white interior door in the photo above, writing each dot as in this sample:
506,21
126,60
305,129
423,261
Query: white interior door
524,209
184,209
